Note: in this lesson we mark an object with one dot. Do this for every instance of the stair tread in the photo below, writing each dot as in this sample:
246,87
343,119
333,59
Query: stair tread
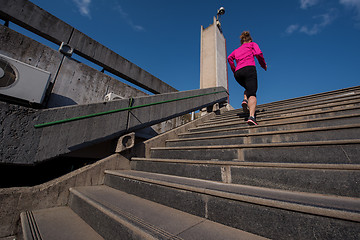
62,223
324,95
269,132
262,145
328,205
256,164
240,121
166,221
267,119
307,99
292,108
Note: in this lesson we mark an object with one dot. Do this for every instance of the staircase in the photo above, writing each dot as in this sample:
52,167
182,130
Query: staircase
295,176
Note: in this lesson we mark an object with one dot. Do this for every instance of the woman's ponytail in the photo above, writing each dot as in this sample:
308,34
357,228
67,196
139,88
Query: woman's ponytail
245,37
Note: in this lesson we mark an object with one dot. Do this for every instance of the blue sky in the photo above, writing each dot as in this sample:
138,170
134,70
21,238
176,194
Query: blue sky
310,46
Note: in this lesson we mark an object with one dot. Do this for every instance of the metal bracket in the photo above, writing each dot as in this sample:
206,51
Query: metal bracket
66,49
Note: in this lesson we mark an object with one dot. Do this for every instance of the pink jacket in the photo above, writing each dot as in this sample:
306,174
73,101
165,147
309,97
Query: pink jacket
244,56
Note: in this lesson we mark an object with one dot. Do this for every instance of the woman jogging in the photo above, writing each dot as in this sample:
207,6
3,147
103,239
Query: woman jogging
245,72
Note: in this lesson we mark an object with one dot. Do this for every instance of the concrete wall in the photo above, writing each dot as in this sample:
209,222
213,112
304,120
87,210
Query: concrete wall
37,20
221,60
55,193
22,143
74,82
213,65
82,85
207,57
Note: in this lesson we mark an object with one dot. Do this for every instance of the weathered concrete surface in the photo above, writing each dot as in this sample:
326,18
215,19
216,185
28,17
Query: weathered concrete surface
75,83
213,63
16,132
58,221
26,50
78,83
143,149
37,20
27,145
157,221
55,193
271,213
114,63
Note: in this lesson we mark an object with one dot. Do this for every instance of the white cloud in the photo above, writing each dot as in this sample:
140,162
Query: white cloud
84,7
324,20
128,20
292,28
304,4
354,5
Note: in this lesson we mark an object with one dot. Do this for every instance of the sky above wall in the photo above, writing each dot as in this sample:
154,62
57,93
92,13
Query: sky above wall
310,46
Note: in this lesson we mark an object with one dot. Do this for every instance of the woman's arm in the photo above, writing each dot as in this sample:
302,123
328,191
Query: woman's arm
231,59
259,55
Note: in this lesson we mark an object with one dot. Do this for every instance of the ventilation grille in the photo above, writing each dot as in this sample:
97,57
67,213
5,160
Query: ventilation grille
8,74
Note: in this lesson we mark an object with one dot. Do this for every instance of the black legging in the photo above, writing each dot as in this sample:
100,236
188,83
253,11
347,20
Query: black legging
247,78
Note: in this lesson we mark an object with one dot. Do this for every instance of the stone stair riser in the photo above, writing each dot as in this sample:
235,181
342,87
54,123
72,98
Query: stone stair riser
343,94
285,112
281,127
242,122
254,218
347,154
323,181
337,134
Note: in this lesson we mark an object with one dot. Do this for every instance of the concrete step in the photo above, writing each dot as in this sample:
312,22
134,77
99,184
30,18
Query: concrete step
311,102
342,93
284,112
261,115
272,213
336,152
333,179
119,215
283,126
298,135
322,97
300,117
59,223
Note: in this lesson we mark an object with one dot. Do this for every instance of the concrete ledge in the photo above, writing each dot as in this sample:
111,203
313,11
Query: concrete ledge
35,19
55,193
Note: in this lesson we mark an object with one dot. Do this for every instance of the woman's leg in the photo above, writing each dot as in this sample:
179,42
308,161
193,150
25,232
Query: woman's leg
252,105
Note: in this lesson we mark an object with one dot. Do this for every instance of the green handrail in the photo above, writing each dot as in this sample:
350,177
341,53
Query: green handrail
118,110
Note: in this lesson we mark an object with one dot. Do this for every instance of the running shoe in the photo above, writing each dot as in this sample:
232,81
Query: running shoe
252,121
244,105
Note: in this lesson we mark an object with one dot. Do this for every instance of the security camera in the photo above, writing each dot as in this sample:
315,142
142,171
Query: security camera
221,11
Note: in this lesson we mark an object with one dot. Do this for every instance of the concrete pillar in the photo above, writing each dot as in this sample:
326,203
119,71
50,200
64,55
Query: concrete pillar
213,65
